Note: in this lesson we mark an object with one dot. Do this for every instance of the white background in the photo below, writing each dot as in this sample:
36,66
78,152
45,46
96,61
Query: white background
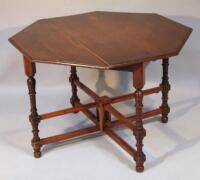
172,150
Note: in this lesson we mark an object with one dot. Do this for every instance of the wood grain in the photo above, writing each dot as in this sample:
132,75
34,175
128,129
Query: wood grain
105,40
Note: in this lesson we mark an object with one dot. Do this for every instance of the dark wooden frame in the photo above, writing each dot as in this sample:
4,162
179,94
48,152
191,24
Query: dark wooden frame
102,121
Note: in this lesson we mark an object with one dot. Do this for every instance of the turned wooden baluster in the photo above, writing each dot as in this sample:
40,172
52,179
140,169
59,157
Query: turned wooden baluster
30,71
165,86
74,99
140,133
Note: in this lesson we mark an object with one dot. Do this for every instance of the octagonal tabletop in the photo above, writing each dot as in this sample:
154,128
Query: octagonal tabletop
104,40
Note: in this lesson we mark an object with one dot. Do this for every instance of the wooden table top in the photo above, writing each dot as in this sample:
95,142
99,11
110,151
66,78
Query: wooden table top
105,40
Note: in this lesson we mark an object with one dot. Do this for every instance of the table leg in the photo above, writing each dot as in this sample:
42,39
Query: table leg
74,99
165,86
30,71
139,132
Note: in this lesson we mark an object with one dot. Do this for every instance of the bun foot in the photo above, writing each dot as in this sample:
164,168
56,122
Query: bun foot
164,119
139,169
37,154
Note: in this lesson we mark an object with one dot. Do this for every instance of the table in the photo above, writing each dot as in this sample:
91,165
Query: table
102,40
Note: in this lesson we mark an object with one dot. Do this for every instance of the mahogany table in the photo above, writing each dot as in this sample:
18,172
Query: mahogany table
102,40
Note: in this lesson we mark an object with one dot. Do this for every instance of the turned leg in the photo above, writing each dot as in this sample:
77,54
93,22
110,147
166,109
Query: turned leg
30,71
165,86
74,99
139,132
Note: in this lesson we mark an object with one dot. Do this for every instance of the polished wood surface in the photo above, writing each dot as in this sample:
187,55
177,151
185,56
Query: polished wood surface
107,40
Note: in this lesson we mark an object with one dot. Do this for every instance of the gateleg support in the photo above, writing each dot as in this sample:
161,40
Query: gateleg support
139,132
165,88
73,77
30,71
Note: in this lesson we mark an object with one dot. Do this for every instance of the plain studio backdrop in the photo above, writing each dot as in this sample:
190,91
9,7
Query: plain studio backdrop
172,150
